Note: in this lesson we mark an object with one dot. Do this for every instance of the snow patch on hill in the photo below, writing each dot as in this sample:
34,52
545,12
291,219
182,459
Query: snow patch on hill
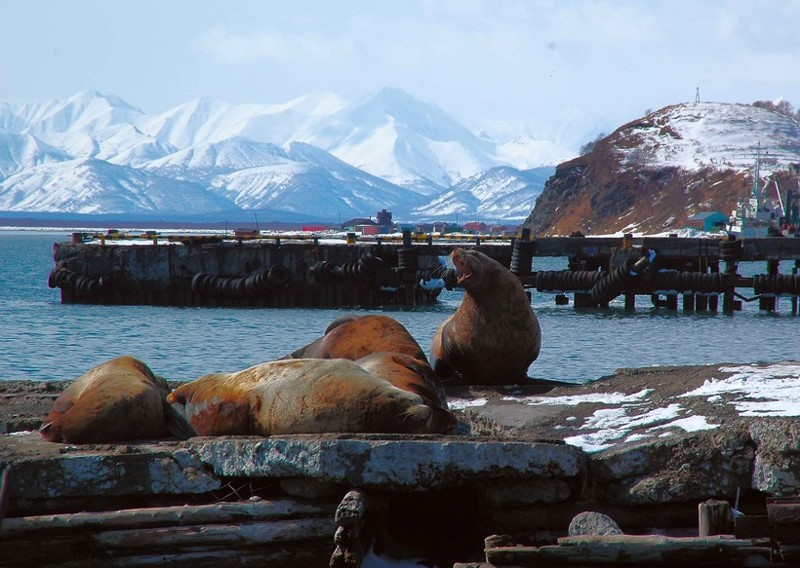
694,136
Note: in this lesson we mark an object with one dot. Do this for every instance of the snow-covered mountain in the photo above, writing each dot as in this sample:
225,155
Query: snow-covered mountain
652,174
91,186
412,144
497,193
314,155
310,179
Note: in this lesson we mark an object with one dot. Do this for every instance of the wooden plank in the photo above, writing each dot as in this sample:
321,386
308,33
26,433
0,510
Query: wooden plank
688,542
783,513
209,536
272,556
772,248
631,549
164,516
714,517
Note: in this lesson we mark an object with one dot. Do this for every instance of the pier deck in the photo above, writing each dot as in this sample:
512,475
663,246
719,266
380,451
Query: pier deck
296,271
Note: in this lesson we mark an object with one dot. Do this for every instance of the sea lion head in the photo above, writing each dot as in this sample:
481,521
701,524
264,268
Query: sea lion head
406,413
476,271
118,400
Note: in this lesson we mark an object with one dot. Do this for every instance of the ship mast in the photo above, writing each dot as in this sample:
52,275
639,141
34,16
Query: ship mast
755,192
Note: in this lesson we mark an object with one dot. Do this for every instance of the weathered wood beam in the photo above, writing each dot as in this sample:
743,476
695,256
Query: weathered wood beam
164,516
211,536
632,549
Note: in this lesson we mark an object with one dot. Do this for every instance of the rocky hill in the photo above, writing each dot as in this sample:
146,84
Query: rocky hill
650,175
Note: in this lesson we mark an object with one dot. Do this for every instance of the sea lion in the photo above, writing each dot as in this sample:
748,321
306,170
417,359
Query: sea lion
494,335
407,373
354,337
304,396
120,399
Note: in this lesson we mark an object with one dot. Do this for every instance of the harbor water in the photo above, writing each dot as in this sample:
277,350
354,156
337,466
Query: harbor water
42,339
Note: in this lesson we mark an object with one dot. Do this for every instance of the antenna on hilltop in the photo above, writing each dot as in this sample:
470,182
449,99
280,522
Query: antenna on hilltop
697,95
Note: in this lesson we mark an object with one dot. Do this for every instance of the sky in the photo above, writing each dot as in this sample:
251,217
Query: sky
507,66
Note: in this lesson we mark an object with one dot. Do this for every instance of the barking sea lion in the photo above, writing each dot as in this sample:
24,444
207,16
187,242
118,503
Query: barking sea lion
304,396
494,335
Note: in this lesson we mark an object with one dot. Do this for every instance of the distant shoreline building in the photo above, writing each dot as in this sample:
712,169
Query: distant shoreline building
708,221
366,226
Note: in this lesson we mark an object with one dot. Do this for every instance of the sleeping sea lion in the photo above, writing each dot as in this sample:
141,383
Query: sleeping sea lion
494,335
118,400
407,373
354,337
304,396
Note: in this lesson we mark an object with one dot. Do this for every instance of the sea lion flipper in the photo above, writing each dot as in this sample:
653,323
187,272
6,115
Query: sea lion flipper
177,425
45,431
426,373
446,356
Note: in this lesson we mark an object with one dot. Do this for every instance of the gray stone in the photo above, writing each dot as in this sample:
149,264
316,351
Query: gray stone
590,523
677,469
87,474
414,463
777,460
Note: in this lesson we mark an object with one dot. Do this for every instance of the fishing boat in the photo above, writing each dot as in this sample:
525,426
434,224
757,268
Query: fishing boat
755,216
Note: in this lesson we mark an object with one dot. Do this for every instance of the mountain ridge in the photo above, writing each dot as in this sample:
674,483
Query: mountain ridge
401,153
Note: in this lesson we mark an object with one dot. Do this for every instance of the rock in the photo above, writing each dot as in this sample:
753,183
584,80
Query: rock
778,457
390,462
590,523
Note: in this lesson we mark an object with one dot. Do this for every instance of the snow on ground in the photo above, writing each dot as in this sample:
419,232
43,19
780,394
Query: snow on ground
773,390
462,403
598,398
752,390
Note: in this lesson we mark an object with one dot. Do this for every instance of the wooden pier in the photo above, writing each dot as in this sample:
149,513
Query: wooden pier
253,269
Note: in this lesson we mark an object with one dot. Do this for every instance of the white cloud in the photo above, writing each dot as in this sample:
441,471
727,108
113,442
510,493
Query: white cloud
530,61
231,47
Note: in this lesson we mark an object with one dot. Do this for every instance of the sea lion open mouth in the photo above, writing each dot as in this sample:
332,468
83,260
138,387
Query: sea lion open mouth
463,268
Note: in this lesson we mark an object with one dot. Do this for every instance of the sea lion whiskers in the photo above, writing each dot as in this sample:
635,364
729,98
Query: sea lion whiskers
419,414
439,271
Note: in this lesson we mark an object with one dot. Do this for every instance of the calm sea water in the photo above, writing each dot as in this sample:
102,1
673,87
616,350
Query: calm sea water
42,339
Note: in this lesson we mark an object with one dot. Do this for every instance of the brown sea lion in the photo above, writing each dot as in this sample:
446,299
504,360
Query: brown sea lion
354,337
120,399
407,373
494,335
304,396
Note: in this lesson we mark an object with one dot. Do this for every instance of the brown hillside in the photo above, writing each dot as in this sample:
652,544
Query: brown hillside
617,187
